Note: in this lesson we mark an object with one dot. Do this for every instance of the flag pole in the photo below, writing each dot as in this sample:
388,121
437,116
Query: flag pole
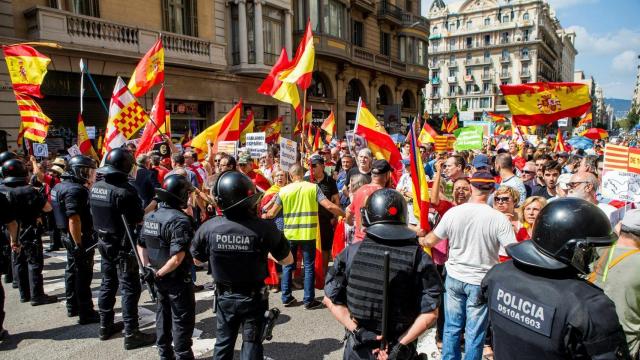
304,120
95,89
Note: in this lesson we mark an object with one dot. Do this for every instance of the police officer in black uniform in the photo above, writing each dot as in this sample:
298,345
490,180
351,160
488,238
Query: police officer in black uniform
109,199
5,245
166,239
354,285
27,256
7,217
237,245
539,307
70,202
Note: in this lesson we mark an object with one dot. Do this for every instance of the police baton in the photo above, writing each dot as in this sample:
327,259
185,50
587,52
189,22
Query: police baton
385,303
152,290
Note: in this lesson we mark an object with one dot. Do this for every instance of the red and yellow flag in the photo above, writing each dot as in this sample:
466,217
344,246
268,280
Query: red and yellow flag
35,124
246,126
27,68
443,127
329,125
301,68
419,181
150,70
125,113
157,128
497,118
225,129
272,130
274,87
444,143
20,137
452,124
560,145
587,119
378,140
317,142
83,140
427,134
543,103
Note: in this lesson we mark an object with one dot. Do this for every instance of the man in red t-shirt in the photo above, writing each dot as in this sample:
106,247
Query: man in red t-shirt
380,177
245,165
156,160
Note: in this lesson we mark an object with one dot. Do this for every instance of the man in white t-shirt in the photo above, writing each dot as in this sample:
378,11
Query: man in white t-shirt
475,232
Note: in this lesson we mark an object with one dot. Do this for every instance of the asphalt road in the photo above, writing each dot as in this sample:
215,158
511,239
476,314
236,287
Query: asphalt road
46,331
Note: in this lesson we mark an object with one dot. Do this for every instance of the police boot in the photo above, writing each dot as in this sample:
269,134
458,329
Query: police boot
43,299
109,330
90,318
138,339
8,278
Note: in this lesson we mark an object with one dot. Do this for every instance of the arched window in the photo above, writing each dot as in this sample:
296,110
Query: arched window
505,54
525,16
385,97
408,100
355,90
525,53
434,30
487,21
320,86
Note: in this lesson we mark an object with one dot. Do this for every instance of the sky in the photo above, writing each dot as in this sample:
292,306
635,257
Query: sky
607,40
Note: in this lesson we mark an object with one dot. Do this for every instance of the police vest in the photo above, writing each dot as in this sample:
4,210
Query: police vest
58,194
300,210
105,199
156,234
27,203
366,281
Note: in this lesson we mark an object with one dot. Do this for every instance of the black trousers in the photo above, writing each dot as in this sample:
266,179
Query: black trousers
175,318
27,267
77,281
2,298
54,232
351,352
234,311
118,272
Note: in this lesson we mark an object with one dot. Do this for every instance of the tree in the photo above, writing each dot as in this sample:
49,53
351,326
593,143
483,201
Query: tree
633,117
453,109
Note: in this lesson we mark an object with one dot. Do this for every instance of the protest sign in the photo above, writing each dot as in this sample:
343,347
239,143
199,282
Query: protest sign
468,138
228,147
40,150
288,152
621,179
74,150
355,141
91,132
163,149
256,144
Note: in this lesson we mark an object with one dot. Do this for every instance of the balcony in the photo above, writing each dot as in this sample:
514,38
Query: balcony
525,58
90,34
410,20
525,74
366,6
435,81
435,95
434,65
505,75
468,78
487,76
389,12
477,62
367,58
505,59
451,79
452,63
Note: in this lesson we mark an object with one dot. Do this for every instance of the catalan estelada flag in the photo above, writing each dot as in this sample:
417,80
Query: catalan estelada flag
27,68
419,180
301,68
34,124
279,90
560,145
246,126
543,103
225,129
150,70
83,140
378,140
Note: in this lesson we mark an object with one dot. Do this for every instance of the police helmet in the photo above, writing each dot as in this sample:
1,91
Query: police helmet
80,167
7,155
14,172
384,216
565,236
175,191
118,161
235,191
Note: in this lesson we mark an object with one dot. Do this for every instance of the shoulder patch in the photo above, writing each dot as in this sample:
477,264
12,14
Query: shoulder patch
532,314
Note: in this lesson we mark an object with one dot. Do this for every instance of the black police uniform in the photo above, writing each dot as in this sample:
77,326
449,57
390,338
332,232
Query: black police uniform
29,262
237,251
166,232
69,198
109,198
6,216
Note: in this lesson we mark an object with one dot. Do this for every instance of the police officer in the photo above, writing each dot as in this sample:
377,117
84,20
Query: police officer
354,285
236,245
5,245
165,238
539,305
70,202
27,255
7,217
109,199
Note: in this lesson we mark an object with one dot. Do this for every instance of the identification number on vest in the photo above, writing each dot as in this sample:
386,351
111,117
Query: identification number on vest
233,242
100,194
523,311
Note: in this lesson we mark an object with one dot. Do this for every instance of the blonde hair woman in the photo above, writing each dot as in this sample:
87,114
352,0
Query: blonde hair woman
528,215
505,200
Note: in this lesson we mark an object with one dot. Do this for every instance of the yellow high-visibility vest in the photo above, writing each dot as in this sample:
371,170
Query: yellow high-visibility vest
300,210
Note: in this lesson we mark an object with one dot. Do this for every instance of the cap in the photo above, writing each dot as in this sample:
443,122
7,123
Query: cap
563,181
563,154
57,169
480,161
380,167
406,162
316,159
60,161
631,221
244,159
482,180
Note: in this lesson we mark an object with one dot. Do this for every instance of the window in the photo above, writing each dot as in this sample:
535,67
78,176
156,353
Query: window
487,56
469,42
82,7
525,53
334,18
434,45
301,19
180,17
525,16
384,96
402,48
469,24
452,44
487,40
354,91
314,15
504,38
525,35
407,100
357,34
485,102
485,71
452,90
434,30
319,86
411,51
487,21
435,91
452,59
469,88
385,43
505,18
468,57
422,52
486,88
505,54
453,71
235,35
435,74
452,26
468,71
251,39
408,5
273,33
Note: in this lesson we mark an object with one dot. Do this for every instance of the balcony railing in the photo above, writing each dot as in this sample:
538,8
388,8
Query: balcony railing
452,63
390,11
409,19
525,73
86,33
486,76
434,64
468,78
385,63
505,59
504,75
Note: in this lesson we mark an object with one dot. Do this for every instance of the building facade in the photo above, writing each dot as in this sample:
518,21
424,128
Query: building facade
477,45
635,101
216,53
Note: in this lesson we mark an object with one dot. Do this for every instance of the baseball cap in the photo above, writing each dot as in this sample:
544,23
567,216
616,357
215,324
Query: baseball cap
480,161
563,181
316,159
482,180
380,167
244,158
631,221
563,154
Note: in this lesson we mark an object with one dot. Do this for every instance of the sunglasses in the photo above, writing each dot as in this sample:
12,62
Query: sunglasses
529,172
502,199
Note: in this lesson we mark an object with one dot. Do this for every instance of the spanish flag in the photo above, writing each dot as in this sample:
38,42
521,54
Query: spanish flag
497,118
246,126
452,124
83,140
543,103
35,123
427,134
560,146
285,92
155,128
272,130
419,181
444,126
27,68
225,129
150,70
378,140
317,142
329,125
301,68
587,119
